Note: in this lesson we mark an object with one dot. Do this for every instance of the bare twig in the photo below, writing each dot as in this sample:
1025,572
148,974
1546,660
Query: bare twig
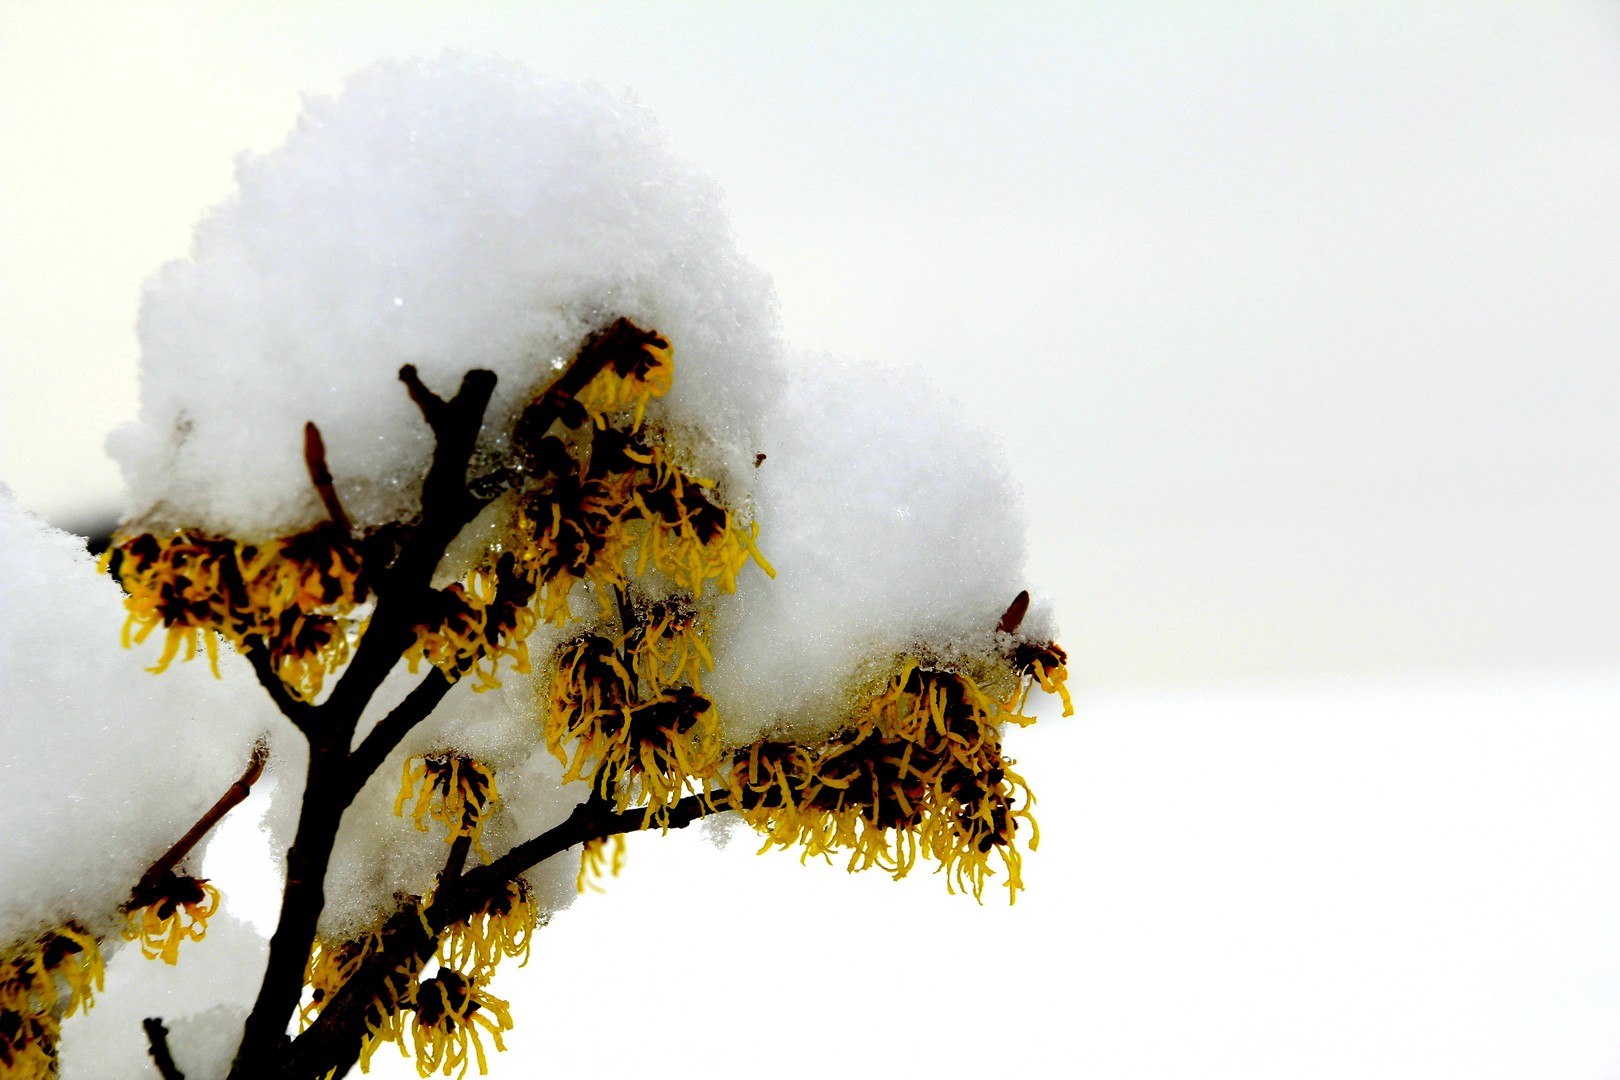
321,477
227,802
157,1042
402,588
381,740
591,820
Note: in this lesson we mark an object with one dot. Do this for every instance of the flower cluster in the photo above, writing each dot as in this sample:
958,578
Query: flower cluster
641,742
918,774
640,366
610,488
445,1015
502,928
330,965
33,982
478,622
294,595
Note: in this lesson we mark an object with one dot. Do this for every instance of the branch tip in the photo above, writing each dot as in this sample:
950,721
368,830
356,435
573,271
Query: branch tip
226,803
1014,616
321,477
157,1043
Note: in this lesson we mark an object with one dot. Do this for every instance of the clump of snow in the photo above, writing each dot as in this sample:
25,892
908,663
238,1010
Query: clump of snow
202,1001
451,214
106,765
894,529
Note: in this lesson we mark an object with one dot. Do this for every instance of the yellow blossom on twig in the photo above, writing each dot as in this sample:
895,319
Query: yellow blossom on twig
167,911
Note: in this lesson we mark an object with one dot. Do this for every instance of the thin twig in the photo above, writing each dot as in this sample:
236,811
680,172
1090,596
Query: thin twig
227,802
591,820
456,862
157,1043
418,705
321,477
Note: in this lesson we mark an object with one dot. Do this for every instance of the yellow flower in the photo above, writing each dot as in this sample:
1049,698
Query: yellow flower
688,536
576,530
330,966
504,927
650,751
448,1012
295,594
640,367
167,911
919,774
1042,665
597,858
31,1008
28,1043
452,789
666,647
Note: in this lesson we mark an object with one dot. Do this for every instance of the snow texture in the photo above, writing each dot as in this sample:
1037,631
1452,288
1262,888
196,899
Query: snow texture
458,213
450,214
203,1001
105,765
894,530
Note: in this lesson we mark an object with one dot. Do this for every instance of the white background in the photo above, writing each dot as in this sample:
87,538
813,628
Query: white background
1302,324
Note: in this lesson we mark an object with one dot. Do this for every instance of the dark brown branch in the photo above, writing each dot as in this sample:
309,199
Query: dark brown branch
157,1042
404,595
381,740
227,802
300,712
457,860
333,1041
403,588
591,820
321,477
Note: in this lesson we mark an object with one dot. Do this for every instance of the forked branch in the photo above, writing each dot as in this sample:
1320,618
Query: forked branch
404,601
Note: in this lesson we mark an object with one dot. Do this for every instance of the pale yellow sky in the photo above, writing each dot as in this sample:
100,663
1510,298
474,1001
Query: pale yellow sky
1299,322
